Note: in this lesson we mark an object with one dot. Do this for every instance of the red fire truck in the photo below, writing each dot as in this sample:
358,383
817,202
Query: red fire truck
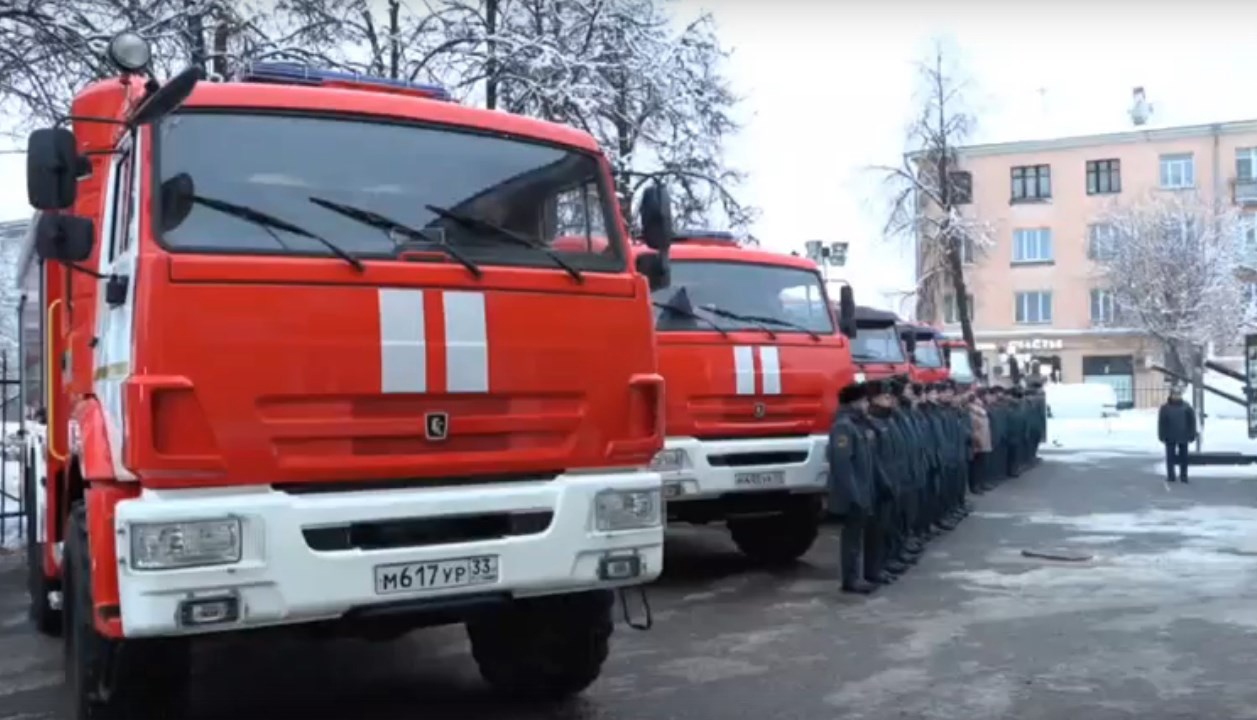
877,348
928,364
301,353
754,359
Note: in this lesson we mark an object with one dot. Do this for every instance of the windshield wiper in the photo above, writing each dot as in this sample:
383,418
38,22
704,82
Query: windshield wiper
692,315
738,316
784,323
474,223
380,222
268,222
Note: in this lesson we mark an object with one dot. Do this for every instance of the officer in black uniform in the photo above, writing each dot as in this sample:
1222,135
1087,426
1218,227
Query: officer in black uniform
997,411
1017,419
851,483
882,407
879,565
944,444
927,450
910,506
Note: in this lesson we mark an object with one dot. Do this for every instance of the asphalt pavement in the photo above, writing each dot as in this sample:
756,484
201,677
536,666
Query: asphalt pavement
1154,617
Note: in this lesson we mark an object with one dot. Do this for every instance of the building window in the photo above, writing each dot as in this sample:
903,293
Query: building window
1032,245
1104,177
1178,171
1103,309
961,187
1246,164
951,313
1247,228
1034,308
1101,242
1032,182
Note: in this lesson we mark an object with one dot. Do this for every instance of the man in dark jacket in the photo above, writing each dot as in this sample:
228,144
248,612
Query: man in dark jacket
1176,427
851,483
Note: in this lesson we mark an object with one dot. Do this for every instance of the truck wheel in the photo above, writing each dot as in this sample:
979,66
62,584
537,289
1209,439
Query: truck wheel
544,649
47,620
110,679
777,539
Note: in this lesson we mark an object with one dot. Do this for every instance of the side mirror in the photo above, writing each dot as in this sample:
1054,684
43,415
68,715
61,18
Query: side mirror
175,201
64,238
52,169
910,343
655,213
654,269
166,98
846,311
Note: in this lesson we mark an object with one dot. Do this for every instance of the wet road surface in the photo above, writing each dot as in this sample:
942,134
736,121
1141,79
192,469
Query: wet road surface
1160,623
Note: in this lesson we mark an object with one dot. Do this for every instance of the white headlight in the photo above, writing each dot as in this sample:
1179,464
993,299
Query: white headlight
130,52
193,543
627,510
669,460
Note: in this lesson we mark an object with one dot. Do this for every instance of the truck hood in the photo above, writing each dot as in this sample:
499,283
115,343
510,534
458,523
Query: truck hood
747,385
247,375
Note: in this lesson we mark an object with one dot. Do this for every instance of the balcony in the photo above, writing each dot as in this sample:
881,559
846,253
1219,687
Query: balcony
1244,191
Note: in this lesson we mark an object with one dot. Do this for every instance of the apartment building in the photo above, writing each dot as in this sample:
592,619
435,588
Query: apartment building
1037,290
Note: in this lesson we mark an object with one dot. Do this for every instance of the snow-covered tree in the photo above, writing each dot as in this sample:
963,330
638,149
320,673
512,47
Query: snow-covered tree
932,194
50,49
655,97
1171,261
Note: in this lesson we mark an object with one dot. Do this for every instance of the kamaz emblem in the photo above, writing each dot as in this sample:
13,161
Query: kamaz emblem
436,425
760,411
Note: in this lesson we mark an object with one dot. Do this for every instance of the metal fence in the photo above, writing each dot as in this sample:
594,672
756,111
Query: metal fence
12,511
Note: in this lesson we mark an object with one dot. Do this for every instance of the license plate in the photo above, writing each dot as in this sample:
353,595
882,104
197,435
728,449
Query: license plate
775,478
436,575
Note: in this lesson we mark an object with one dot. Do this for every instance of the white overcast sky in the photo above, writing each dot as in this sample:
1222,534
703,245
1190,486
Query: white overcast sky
828,89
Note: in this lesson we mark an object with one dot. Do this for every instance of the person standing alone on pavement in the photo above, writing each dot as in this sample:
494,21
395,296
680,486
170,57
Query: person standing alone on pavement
1176,427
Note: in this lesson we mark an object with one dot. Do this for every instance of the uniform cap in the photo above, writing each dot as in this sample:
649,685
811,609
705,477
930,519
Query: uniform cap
852,393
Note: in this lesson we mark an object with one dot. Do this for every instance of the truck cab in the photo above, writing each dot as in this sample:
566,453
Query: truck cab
877,349
754,359
926,354
306,356
958,360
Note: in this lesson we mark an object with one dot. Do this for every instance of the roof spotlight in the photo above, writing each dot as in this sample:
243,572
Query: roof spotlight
130,52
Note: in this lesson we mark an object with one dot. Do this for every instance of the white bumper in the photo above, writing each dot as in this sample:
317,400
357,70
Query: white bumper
700,479
281,580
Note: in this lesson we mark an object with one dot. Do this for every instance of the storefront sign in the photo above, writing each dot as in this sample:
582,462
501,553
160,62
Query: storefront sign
1035,345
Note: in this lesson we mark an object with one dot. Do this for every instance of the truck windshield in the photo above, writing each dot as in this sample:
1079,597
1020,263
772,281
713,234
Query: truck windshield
960,367
783,299
305,170
927,354
876,344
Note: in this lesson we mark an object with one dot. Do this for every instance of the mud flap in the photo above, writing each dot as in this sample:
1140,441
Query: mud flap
649,620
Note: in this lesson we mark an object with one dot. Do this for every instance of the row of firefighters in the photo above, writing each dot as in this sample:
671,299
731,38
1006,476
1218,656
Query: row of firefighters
890,500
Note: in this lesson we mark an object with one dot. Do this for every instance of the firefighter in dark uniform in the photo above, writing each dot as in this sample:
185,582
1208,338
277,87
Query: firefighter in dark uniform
910,510
879,563
1017,417
997,410
851,483
1038,407
884,407
944,444
961,427
929,450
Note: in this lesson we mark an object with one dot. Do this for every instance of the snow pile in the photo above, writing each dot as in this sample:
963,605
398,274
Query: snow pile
1134,432
1080,400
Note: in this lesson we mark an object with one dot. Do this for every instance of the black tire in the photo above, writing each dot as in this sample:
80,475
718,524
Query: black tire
111,679
46,620
776,539
545,649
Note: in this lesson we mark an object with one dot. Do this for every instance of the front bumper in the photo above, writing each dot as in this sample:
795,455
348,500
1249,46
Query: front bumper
712,468
281,580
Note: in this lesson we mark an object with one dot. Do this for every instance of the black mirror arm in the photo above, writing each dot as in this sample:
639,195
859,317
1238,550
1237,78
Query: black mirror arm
86,271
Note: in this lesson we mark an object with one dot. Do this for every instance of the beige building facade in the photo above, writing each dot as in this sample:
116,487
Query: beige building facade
1036,289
